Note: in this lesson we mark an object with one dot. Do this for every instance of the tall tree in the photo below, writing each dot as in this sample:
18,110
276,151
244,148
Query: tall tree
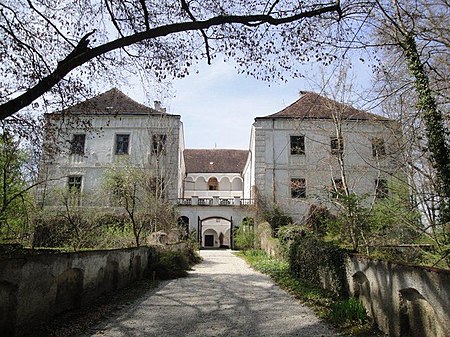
52,46
417,32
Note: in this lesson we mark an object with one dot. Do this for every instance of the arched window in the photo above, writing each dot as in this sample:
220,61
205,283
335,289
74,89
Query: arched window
213,184
225,184
237,184
200,184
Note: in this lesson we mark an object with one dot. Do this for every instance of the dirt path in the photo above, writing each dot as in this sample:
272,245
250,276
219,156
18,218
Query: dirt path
221,297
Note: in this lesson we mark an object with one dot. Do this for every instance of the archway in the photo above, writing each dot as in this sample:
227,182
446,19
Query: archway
213,184
216,232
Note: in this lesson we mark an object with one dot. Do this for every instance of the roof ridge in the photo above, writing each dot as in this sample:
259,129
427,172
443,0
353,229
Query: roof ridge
111,102
312,105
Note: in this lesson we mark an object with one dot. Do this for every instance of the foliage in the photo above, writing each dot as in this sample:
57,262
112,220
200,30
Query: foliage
317,219
142,195
169,264
245,238
346,311
351,225
328,269
276,218
15,199
192,247
346,314
47,42
413,84
287,235
172,264
84,230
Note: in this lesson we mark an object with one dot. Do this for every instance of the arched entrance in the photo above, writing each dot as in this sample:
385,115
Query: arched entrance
215,232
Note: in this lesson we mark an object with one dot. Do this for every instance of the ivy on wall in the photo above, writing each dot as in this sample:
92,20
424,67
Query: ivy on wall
319,263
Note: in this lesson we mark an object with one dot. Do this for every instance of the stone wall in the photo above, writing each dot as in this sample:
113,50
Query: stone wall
402,300
269,244
33,289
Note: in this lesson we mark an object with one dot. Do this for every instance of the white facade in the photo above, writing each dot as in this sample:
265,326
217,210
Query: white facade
229,185
100,152
294,145
275,167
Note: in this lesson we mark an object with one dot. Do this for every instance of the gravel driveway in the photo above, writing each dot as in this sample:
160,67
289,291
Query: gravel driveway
221,297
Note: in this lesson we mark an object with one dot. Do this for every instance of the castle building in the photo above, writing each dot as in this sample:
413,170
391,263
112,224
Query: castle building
299,156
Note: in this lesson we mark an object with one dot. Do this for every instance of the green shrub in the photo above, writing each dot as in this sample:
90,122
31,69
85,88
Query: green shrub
287,235
317,219
276,218
319,263
171,264
245,238
348,311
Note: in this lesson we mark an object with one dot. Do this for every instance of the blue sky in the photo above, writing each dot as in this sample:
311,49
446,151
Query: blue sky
218,106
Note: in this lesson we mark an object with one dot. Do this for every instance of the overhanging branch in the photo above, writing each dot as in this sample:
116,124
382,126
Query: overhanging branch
82,54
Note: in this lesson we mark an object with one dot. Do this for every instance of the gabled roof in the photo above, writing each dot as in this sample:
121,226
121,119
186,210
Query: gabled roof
111,102
215,160
313,106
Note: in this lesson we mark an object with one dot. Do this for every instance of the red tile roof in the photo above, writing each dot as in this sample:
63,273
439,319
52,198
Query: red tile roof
215,160
313,106
111,102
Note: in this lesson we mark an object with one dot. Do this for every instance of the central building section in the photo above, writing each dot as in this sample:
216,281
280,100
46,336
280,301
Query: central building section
214,177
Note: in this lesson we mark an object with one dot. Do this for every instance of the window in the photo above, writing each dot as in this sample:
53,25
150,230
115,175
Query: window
74,185
77,144
378,148
337,145
159,144
156,186
381,188
122,142
298,188
213,184
337,189
297,145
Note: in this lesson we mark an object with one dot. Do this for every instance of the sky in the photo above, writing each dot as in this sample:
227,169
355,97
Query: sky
218,106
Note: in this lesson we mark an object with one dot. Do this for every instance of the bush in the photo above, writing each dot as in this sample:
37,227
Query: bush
276,218
84,230
348,311
317,219
171,264
319,263
287,235
244,238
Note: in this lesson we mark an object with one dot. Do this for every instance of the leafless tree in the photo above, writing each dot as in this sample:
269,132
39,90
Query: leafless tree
58,46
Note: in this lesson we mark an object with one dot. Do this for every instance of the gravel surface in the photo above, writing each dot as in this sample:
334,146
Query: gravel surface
223,296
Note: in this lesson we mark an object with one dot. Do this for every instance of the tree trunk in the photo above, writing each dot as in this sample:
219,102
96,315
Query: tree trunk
434,125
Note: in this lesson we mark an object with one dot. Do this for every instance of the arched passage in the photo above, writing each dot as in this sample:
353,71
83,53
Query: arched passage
216,232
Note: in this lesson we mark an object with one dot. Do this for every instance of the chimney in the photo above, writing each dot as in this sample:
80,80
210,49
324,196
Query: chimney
158,105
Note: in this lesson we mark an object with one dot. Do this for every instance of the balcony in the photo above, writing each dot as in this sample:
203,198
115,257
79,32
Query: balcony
214,201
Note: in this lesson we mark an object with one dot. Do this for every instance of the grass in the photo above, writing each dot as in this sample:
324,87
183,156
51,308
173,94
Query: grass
347,315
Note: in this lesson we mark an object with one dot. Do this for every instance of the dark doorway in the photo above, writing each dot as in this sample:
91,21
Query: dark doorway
209,240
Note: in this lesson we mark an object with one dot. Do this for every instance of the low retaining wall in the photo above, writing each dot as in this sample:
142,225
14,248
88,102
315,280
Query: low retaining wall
35,288
270,245
402,300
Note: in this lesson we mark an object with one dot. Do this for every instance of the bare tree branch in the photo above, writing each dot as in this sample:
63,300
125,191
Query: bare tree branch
83,54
